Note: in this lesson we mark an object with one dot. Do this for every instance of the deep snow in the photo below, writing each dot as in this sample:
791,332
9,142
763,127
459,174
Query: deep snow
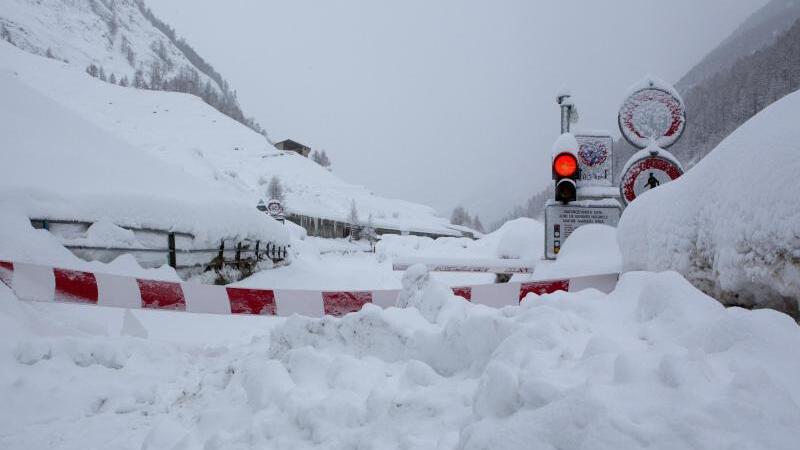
731,224
656,364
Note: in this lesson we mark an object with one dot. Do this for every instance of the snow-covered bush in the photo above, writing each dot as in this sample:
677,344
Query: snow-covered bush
731,225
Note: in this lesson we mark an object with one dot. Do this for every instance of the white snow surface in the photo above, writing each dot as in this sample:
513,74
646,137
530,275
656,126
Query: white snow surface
180,131
731,224
565,143
656,365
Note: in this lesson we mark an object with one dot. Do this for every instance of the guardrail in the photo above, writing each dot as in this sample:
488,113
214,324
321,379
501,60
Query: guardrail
237,254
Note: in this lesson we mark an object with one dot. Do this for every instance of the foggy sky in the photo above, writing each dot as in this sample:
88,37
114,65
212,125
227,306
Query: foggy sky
444,102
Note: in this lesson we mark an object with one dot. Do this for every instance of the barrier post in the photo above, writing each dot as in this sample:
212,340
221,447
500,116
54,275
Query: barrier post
172,255
239,255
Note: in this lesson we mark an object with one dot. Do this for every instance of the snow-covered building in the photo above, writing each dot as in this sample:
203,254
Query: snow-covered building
293,146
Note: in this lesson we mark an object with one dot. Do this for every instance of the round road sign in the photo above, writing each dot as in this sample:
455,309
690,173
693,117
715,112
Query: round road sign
645,174
274,208
652,114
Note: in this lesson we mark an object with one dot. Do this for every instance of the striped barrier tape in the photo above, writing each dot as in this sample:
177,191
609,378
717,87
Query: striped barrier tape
43,283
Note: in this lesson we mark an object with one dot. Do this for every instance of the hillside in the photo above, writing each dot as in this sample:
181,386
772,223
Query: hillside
179,130
118,41
760,30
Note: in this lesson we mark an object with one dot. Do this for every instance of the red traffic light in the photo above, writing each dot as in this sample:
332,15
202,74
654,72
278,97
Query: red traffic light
565,165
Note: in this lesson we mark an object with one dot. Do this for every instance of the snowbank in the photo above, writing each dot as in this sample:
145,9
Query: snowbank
655,365
590,249
731,225
57,165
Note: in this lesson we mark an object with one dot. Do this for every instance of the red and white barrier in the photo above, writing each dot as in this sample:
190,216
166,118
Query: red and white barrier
42,283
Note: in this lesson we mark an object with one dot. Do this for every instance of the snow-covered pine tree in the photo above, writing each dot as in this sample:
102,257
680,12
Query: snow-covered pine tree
275,189
352,218
138,80
477,225
5,34
459,216
124,81
323,159
112,79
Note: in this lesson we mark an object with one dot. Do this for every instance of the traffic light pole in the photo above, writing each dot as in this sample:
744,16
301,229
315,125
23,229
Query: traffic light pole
565,102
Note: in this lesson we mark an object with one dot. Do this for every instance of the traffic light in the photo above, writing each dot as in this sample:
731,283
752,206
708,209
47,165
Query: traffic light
565,173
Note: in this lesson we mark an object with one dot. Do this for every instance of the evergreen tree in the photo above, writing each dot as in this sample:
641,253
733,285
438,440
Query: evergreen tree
138,80
124,81
93,70
459,216
102,74
324,161
477,225
5,34
275,189
352,218
112,79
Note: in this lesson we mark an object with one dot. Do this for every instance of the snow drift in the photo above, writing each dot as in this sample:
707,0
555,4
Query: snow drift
656,364
731,225
57,165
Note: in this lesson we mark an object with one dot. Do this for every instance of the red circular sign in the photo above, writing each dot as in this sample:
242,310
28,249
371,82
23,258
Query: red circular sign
652,114
275,208
645,174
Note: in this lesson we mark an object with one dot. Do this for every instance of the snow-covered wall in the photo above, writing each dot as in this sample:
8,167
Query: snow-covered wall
731,225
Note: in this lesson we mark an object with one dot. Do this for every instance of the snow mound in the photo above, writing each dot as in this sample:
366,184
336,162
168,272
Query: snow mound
731,225
655,364
78,171
590,249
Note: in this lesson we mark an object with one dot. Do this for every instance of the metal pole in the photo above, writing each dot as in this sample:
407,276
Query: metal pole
565,112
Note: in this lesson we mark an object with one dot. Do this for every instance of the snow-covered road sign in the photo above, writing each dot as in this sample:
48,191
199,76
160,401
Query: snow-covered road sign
653,112
648,172
595,159
561,220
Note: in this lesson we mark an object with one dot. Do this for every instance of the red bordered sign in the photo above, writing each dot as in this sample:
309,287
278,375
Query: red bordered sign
652,114
645,174
274,208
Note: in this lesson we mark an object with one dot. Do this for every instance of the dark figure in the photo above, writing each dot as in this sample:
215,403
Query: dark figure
652,182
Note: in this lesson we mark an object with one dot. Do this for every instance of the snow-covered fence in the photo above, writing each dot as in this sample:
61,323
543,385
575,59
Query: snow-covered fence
47,284
476,265
156,247
330,228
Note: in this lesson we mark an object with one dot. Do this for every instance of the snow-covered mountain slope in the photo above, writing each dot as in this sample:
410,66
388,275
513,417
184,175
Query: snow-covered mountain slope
758,31
119,41
182,131
731,224
56,164
87,32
